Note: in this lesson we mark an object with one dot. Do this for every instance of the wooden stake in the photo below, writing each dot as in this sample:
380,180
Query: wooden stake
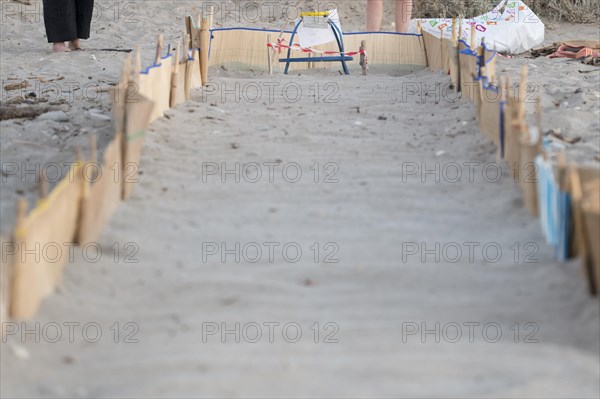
194,32
125,80
178,53
269,61
442,44
42,186
363,58
210,11
159,48
137,63
562,176
522,93
204,48
538,113
481,64
189,27
454,33
576,191
175,76
93,148
473,38
79,154
21,214
93,154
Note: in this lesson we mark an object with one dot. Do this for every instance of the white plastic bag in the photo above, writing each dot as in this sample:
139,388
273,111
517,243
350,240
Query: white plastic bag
316,30
511,28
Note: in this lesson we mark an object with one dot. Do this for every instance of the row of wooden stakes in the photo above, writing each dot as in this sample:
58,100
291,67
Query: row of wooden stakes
566,197
82,203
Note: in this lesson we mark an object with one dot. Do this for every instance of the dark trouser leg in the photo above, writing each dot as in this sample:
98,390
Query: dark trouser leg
60,20
85,10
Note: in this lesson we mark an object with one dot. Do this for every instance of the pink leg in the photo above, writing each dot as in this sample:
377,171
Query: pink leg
374,15
403,14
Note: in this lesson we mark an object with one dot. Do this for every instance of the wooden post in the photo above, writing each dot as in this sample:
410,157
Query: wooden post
159,48
473,41
363,58
522,94
42,186
175,77
269,61
538,113
422,40
538,116
454,33
193,32
93,148
177,61
126,74
506,87
21,214
93,156
210,11
481,70
442,61
137,64
204,48
205,32
482,62
503,98
189,27
581,249
188,40
511,137
454,56
188,71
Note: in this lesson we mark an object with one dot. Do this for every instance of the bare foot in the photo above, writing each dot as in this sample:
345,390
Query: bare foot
75,45
60,47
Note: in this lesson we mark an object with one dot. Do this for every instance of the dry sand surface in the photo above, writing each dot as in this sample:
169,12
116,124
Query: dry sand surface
363,210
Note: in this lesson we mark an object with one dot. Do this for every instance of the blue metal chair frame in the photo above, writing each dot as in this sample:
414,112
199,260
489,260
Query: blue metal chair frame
338,37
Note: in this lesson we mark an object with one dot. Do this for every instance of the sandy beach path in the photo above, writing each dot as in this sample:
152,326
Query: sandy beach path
365,209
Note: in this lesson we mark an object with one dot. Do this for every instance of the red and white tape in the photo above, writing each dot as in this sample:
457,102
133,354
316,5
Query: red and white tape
279,46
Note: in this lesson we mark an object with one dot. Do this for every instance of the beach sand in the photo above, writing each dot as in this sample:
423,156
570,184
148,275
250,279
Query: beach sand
362,210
